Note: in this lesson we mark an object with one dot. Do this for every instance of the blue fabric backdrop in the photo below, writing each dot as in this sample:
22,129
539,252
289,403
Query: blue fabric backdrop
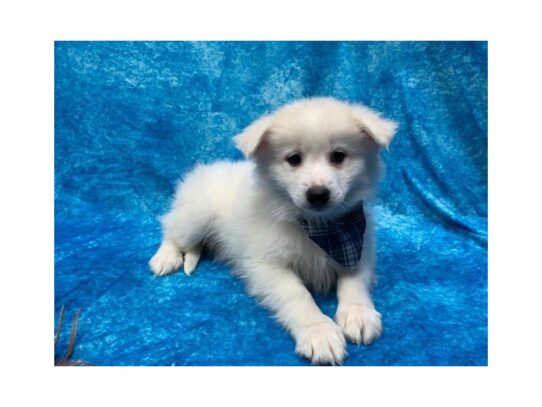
131,117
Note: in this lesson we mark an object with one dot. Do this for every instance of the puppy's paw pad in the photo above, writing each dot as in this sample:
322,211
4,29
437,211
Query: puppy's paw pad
191,259
322,343
359,323
167,259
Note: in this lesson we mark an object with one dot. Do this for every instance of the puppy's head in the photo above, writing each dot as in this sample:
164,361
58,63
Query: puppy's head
320,153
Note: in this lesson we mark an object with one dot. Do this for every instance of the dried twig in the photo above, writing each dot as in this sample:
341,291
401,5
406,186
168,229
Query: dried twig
66,359
60,319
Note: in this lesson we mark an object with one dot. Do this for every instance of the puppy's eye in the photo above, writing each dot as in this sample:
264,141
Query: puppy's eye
337,157
294,160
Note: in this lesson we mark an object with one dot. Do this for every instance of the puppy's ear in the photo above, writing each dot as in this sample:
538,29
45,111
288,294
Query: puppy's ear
381,130
251,138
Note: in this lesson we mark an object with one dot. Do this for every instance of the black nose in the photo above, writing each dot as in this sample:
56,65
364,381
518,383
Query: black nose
318,196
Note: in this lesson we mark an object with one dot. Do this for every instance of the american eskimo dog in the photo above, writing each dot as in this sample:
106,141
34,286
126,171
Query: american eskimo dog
291,219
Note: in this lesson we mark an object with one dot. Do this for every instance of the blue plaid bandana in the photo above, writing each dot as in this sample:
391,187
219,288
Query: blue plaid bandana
342,240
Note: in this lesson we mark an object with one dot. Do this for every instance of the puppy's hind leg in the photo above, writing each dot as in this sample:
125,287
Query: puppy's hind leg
167,259
199,203
185,228
191,259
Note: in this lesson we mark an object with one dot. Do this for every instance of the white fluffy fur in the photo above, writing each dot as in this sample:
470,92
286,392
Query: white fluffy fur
246,212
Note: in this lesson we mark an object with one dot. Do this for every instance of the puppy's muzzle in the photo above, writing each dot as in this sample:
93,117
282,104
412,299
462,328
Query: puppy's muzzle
318,197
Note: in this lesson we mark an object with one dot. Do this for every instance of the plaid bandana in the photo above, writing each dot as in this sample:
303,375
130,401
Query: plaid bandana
341,240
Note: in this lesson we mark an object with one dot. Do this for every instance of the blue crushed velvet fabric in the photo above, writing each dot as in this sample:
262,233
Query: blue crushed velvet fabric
132,117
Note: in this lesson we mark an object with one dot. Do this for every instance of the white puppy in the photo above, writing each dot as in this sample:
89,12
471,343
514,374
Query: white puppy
290,219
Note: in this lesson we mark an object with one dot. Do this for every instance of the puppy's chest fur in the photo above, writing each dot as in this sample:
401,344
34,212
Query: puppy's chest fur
317,271
285,244
298,252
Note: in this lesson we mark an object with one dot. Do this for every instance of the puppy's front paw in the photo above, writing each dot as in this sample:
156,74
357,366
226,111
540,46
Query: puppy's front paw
167,259
359,322
322,343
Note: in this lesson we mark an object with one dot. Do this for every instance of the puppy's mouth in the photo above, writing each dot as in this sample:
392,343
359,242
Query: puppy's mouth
318,210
